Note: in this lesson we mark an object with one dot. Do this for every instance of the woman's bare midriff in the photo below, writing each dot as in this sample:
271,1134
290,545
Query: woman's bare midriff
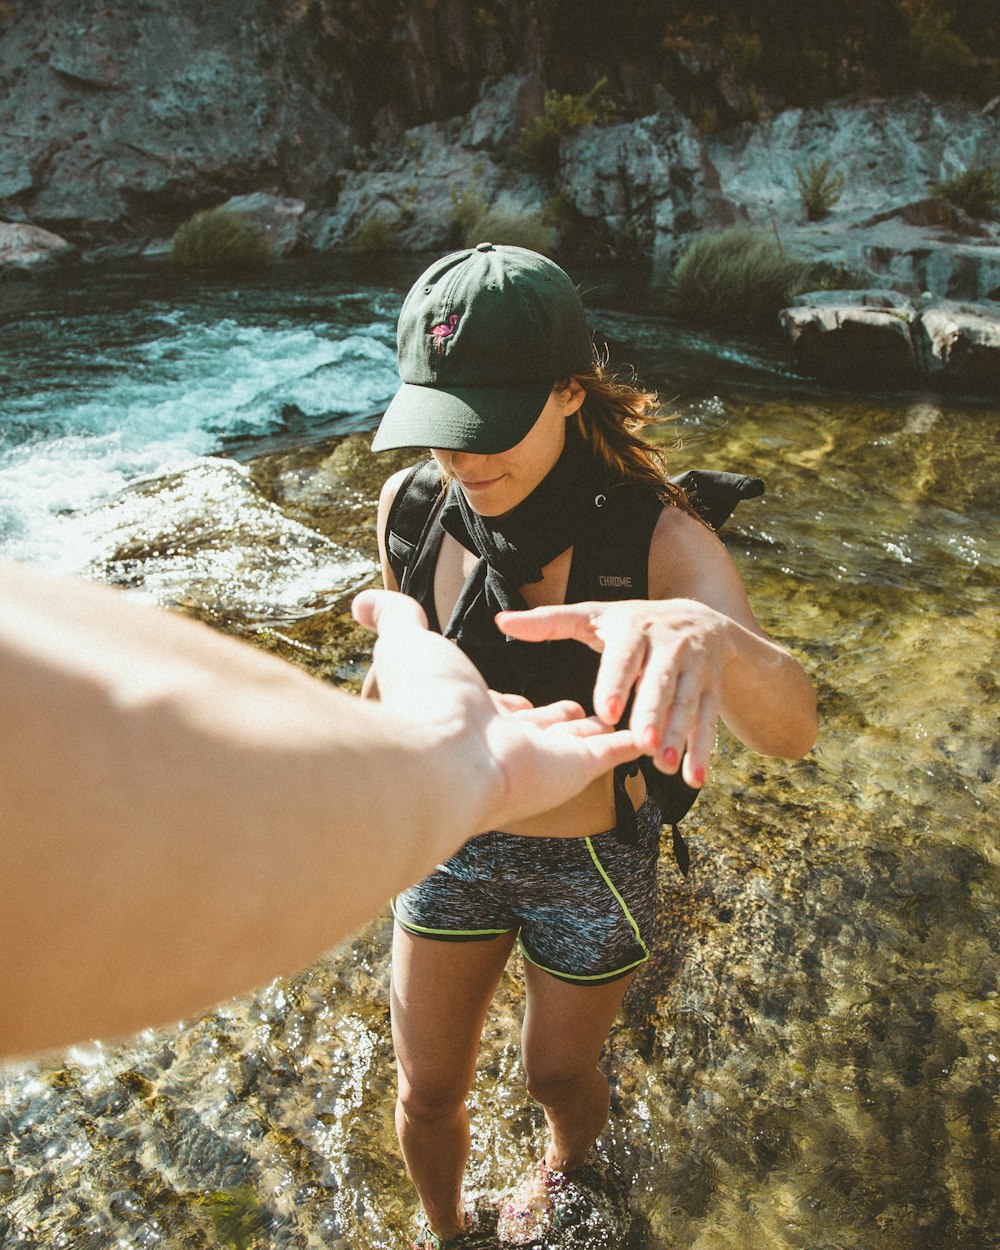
593,810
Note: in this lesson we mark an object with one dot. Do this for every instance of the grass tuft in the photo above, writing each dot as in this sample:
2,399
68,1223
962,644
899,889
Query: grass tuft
975,191
217,238
739,278
498,225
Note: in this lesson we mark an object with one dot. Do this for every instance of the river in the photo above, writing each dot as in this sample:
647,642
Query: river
812,1058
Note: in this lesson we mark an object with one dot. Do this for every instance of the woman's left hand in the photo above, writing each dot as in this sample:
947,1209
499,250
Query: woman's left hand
671,654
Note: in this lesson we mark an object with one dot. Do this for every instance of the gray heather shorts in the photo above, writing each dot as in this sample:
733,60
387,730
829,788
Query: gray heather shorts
583,908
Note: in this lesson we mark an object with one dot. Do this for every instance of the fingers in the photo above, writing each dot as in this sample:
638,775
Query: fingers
624,667
510,702
552,713
566,620
701,742
379,609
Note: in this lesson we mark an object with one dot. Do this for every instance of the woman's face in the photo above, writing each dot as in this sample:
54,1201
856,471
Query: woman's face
495,484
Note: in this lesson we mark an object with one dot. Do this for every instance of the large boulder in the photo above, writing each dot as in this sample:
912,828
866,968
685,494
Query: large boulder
27,249
864,336
961,343
885,226
647,181
889,152
875,337
425,184
277,218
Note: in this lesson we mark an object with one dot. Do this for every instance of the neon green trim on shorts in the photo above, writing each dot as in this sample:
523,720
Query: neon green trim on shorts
419,928
618,898
585,976
599,976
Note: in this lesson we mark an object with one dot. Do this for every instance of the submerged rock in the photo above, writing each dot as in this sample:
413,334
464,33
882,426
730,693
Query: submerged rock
207,540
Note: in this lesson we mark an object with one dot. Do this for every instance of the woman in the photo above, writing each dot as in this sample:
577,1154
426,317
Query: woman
534,439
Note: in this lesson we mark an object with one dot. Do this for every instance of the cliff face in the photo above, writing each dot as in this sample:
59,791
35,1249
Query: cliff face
118,121
132,115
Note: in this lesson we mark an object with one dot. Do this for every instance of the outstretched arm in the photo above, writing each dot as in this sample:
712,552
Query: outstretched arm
184,817
691,655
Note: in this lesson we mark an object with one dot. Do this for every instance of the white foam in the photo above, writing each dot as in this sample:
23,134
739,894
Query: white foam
157,406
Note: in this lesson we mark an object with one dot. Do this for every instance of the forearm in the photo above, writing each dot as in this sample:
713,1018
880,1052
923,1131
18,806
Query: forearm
184,817
768,700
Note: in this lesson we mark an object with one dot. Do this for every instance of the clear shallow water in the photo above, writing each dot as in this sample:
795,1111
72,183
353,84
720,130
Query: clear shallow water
811,1060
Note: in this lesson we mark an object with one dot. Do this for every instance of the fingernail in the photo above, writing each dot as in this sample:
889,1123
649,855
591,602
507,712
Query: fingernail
651,738
670,757
614,706
699,776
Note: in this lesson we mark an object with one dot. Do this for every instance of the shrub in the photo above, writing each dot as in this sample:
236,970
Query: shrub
538,145
739,278
827,275
467,210
745,53
975,191
819,189
217,238
936,58
499,225
374,234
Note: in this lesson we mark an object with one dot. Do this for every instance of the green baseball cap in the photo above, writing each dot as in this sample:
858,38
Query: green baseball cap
482,337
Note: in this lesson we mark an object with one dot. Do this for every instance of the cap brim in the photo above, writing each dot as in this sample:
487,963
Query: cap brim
480,419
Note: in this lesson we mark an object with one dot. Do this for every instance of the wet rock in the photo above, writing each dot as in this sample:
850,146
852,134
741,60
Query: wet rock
867,339
960,342
650,180
877,336
30,248
208,541
278,218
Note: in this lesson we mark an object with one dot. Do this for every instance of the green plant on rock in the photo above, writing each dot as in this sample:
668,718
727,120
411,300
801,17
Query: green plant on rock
976,190
738,278
819,189
538,145
467,209
936,58
826,275
498,225
375,234
217,238
237,1216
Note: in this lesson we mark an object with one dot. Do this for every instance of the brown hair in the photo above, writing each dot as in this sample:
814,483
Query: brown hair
610,420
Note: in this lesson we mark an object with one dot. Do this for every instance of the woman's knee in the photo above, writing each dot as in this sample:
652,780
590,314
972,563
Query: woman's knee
426,1097
552,1083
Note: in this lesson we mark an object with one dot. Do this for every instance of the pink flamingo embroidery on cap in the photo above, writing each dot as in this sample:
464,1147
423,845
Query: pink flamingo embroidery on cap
440,332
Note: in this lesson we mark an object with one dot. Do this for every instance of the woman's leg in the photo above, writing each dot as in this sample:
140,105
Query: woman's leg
565,1028
440,995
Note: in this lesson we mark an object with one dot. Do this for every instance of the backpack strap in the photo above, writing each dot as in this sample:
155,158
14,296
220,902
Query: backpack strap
410,514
